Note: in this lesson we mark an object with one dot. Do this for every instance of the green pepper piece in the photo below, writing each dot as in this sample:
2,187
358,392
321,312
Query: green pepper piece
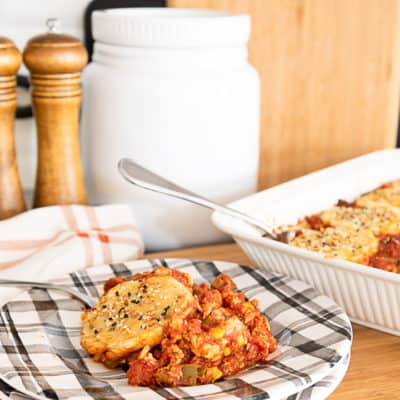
189,374
189,371
209,375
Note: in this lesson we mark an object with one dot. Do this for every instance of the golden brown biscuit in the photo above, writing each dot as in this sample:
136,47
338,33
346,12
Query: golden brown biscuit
338,243
377,220
132,314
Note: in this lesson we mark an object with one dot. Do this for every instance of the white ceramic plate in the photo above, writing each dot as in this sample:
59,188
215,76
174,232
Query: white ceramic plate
40,334
326,386
319,391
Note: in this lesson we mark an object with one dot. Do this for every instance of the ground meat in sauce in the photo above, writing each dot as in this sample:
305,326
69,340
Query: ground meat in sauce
315,222
388,255
224,336
344,203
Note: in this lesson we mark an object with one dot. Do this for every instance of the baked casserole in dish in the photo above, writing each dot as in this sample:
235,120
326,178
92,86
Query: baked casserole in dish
349,250
365,231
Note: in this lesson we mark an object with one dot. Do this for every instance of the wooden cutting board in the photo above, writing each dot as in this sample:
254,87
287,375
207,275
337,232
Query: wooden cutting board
330,72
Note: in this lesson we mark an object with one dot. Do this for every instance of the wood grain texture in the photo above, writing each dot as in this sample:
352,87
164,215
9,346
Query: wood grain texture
330,73
55,62
375,359
11,196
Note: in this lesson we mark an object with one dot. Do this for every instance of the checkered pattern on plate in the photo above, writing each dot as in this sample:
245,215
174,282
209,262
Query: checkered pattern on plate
40,338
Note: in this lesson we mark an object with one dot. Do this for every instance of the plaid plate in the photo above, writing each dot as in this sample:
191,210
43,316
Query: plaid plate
40,339
318,391
326,386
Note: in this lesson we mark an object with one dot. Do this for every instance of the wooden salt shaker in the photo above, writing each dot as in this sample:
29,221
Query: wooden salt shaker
11,195
55,62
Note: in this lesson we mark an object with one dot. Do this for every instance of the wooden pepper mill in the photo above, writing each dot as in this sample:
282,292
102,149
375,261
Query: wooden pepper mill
55,62
11,195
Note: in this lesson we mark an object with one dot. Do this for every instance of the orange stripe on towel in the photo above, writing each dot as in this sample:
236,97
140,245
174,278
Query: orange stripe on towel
13,263
102,237
86,241
128,240
121,228
69,217
27,244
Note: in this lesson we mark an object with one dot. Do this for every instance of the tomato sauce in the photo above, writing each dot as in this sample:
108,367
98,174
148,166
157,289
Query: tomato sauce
225,335
388,255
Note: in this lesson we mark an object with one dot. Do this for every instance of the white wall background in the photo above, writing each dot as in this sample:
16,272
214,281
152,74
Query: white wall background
21,19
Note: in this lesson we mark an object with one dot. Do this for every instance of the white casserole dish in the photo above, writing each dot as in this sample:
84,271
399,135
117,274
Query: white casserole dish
370,296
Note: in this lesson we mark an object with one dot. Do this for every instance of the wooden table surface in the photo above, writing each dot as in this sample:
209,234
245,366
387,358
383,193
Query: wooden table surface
374,372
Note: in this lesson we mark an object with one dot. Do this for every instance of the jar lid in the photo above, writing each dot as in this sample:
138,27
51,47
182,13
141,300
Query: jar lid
170,27
10,57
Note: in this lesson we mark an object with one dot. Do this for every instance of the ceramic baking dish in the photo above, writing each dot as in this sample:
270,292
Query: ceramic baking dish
370,296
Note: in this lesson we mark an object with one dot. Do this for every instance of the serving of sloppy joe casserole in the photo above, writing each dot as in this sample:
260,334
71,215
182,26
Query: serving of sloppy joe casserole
167,331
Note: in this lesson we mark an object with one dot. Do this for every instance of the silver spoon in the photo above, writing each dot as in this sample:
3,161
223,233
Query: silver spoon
144,178
90,301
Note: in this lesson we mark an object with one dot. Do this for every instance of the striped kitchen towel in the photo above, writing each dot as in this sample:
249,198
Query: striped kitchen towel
49,242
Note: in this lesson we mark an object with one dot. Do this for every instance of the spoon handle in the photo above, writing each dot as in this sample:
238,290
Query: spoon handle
88,300
142,177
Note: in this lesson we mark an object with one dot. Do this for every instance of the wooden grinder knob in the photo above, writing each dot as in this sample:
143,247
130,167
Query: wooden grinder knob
11,195
55,62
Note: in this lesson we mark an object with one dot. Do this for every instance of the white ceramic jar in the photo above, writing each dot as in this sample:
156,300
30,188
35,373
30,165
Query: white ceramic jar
172,89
